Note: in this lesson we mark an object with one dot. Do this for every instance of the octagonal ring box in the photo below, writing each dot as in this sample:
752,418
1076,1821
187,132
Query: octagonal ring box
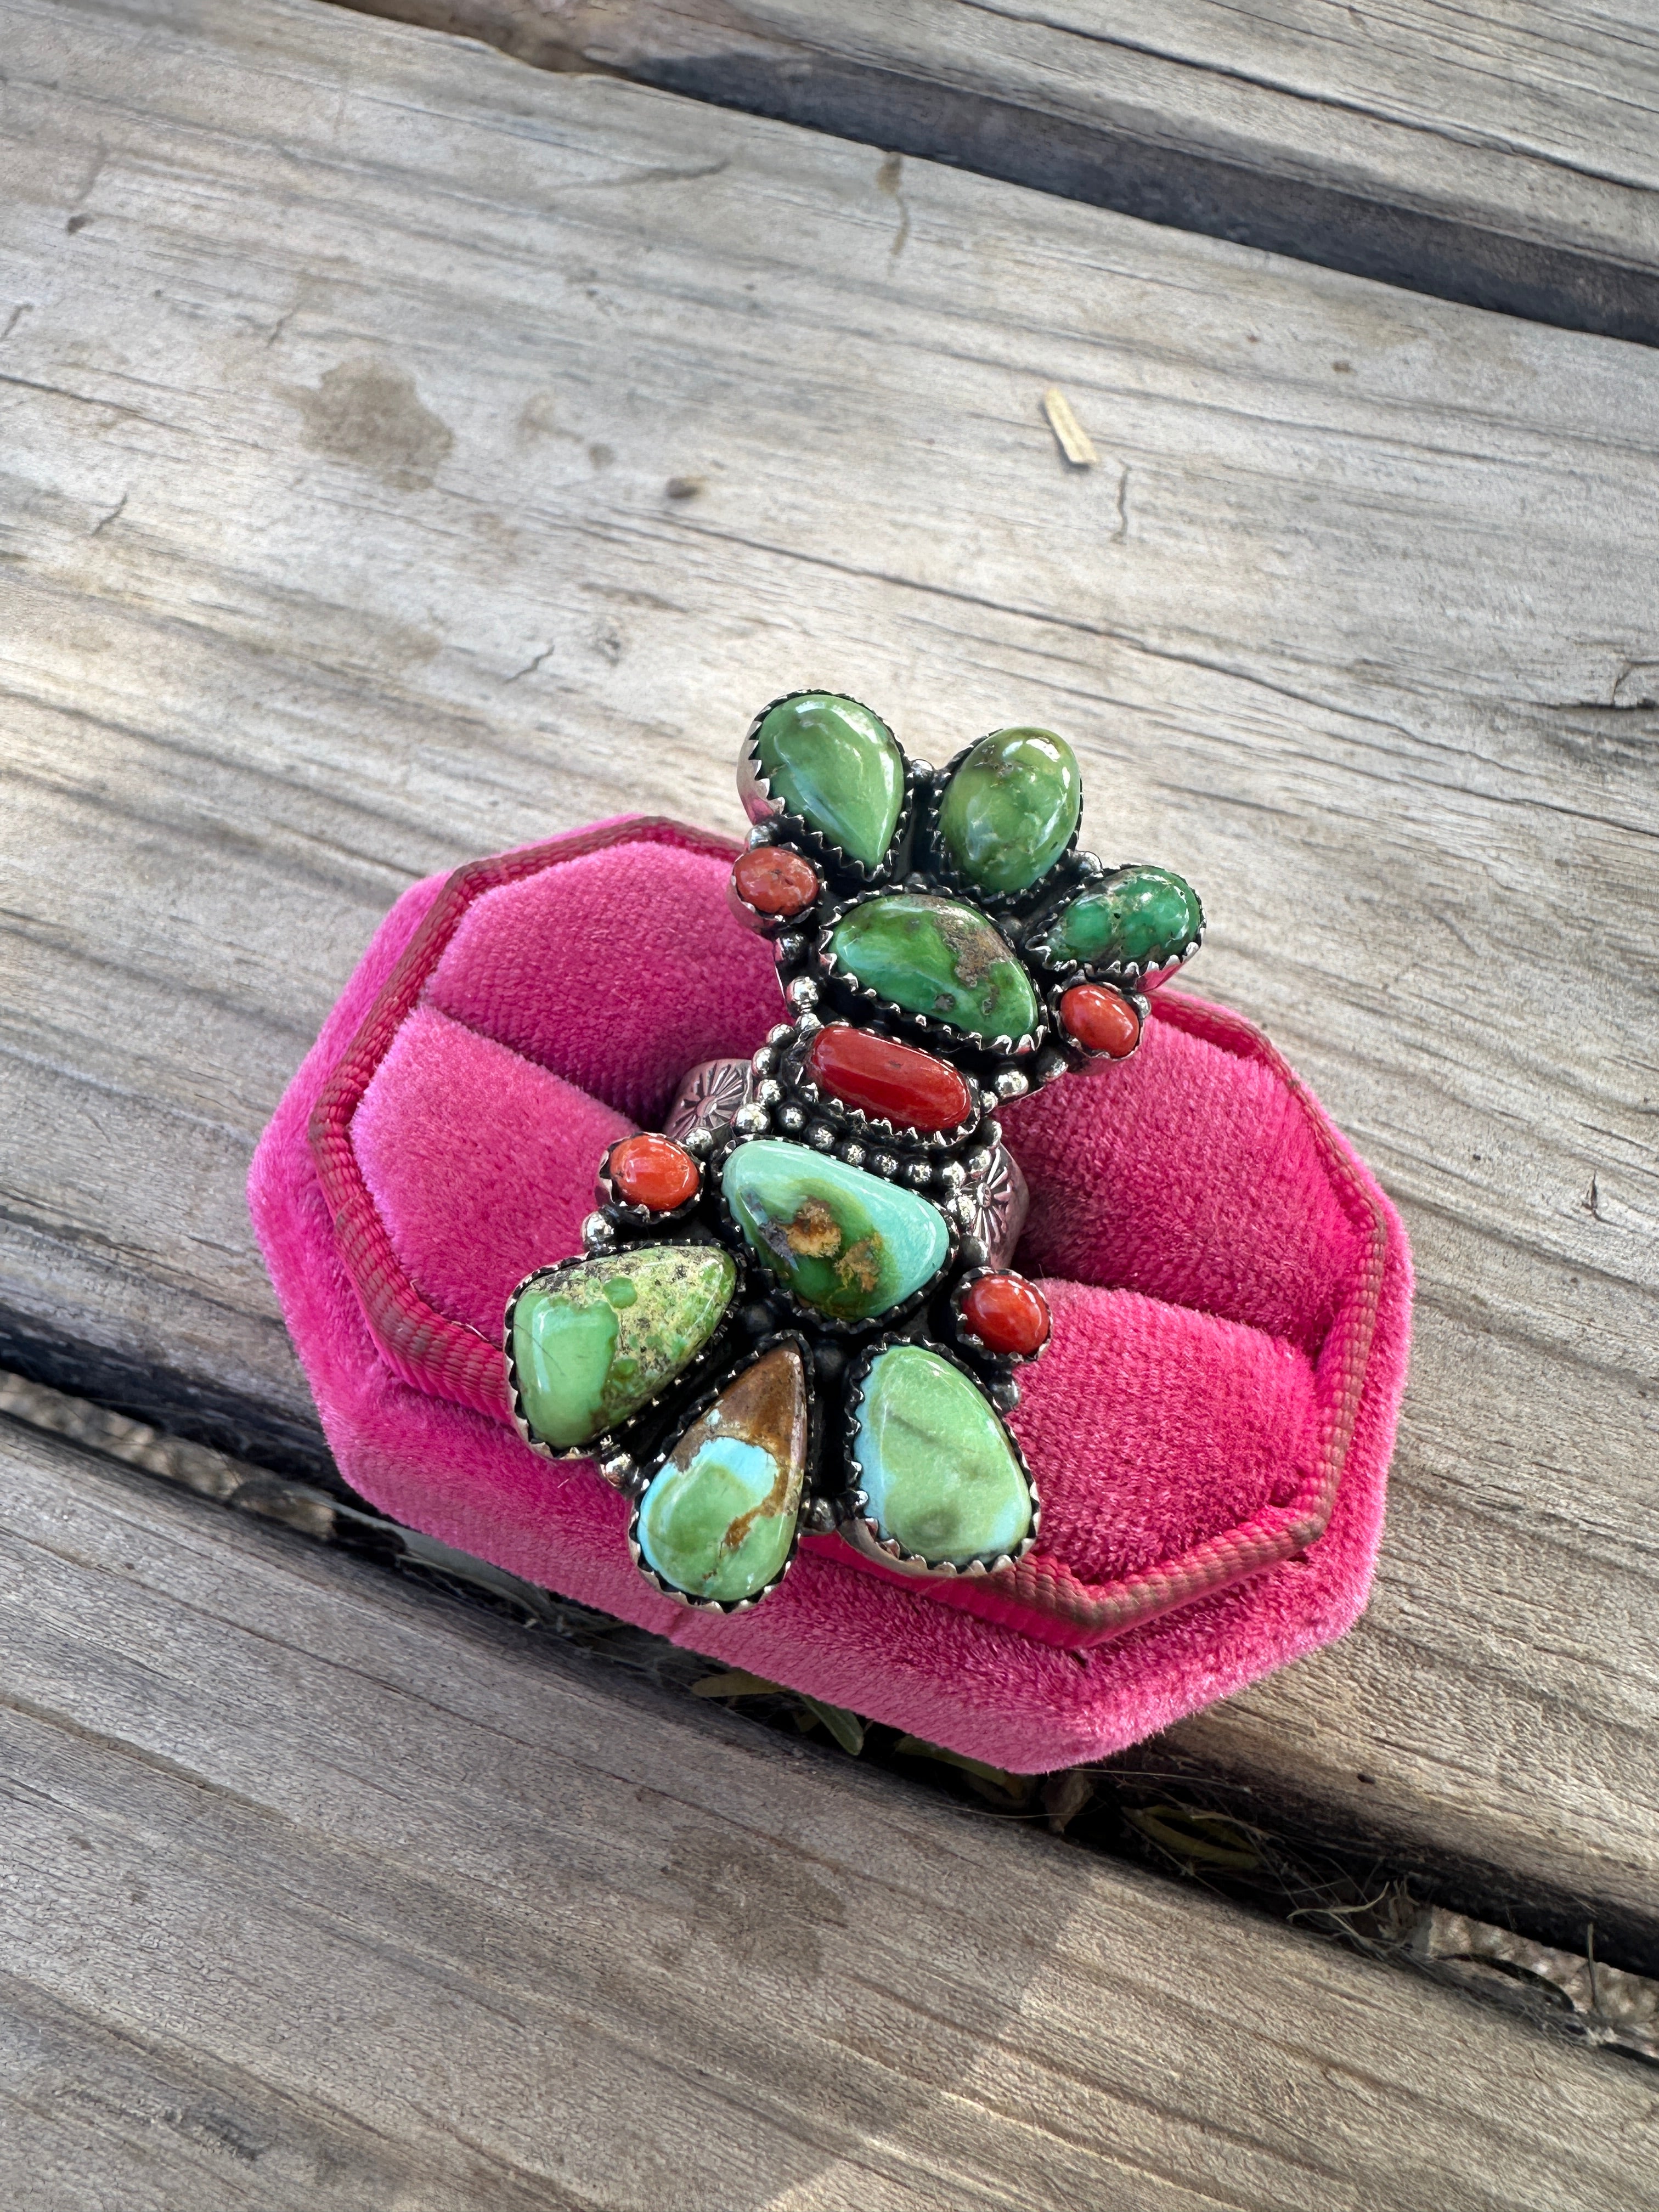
1210,1428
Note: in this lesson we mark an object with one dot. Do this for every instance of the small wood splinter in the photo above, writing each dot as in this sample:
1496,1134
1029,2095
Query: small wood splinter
1074,441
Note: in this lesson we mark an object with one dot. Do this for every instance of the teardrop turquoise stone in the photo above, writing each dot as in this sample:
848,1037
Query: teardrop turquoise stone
1142,917
718,1516
835,764
844,1242
1010,809
937,956
591,1346
936,1463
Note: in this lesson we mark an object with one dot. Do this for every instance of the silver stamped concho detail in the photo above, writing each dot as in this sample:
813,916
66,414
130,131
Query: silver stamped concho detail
708,1095
997,1199
1000,1202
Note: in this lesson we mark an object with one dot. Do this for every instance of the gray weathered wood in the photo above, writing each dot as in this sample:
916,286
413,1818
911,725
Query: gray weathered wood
1508,158
323,1892
347,373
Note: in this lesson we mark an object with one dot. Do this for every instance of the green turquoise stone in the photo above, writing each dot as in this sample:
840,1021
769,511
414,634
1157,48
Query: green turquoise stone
591,1346
1010,809
718,1516
937,957
936,1463
845,1242
1139,917
835,764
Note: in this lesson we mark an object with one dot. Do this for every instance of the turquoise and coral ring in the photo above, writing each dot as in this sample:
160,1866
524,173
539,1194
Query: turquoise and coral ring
795,1310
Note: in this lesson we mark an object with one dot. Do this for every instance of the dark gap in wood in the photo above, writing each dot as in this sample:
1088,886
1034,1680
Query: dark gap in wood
1313,1867
169,1400
1179,188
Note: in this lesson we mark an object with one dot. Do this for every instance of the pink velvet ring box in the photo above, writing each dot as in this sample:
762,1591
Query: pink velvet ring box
1210,1429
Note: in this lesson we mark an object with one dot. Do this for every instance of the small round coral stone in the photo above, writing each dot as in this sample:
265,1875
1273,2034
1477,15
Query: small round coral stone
653,1171
775,881
1007,1313
1100,1019
891,1082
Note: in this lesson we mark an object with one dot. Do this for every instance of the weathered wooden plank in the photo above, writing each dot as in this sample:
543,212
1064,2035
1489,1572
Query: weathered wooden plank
322,1890
1504,158
347,440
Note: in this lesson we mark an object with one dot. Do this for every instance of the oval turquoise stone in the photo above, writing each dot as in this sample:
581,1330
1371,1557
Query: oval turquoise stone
1010,809
936,1464
835,764
844,1242
718,1517
591,1346
937,957
1142,917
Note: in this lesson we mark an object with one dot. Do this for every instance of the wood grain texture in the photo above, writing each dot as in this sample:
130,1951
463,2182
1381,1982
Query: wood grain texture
322,1891
1507,158
406,454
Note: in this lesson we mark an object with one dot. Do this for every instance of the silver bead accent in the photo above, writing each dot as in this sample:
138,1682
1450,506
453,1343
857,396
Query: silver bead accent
802,992
792,1118
1005,1396
978,1161
700,1141
621,1471
780,1034
1010,1083
751,1121
1090,864
767,1093
791,945
763,1062
809,1025
763,833
918,1172
951,1174
598,1234
818,1518
882,1163
820,1137
852,1153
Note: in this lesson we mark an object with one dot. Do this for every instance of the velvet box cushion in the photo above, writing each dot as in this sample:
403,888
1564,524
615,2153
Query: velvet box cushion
1215,1415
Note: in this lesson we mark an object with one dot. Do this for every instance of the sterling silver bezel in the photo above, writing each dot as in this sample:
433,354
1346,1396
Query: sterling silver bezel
692,1414
844,984
764,806
1078,1055
622,1214
1119,972
878,1132
775,1289
867,1534
929,842
610,1443
1001,1365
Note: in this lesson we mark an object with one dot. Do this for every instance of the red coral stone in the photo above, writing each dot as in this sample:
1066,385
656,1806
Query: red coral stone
775,881
653,1171
1100,1019
1007,1313
891,1082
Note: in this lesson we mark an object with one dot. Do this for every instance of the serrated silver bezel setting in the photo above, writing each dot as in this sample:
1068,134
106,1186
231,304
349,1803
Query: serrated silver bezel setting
846,986
867,1533
965,1172
691,1414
